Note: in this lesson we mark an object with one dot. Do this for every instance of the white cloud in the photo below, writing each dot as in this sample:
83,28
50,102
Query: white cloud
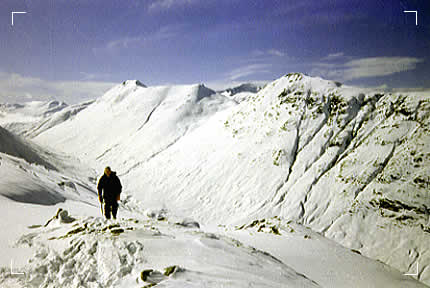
125,42
92,76
378,66
163,33
364,67
258,53
248,70
334,56
167,4
270,52
275,52
15,88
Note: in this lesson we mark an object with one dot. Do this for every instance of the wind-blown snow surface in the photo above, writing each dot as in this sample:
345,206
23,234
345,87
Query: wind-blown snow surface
349,163
89,252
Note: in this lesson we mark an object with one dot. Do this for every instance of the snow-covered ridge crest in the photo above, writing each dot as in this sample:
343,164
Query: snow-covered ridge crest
155,117
88,252
131,87
120,91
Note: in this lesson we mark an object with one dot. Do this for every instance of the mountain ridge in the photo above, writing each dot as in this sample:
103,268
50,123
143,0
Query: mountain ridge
347,162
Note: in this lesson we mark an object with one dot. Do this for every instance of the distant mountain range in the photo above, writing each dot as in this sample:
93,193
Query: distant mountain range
245,87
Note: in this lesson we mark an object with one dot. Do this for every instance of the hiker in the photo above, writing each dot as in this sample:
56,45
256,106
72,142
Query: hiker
109,189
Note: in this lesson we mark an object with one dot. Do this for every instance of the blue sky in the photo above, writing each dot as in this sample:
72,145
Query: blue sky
74,50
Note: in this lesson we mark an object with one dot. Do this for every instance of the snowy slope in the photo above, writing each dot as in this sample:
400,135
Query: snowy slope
18,147
29,183
32,118
33,183
31,174
135,123
29,193
90,252
351,164
322,260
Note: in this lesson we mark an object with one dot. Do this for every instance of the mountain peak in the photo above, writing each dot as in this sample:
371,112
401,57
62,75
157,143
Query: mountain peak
298,76
202,91
134,83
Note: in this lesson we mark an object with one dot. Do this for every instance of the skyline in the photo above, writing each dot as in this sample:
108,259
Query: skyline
72,51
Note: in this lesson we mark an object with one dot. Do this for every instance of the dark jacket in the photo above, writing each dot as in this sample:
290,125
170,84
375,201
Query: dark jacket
110,186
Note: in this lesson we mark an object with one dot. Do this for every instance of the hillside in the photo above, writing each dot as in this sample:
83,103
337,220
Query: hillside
81,249
31,174
349,163
34,182
134,122
32,118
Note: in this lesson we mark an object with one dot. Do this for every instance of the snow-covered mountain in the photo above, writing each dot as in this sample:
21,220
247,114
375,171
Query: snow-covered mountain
349,163
213,185
135,123
241,92
32,118
33,109
245,87
83,250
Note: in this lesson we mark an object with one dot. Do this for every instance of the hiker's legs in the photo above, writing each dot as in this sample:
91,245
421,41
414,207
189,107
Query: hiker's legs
107,210
114,209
